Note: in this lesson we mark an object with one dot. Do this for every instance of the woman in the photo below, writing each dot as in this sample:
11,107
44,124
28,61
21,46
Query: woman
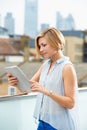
56,82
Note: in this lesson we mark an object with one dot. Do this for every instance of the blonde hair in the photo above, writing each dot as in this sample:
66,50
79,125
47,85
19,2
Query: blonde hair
54,37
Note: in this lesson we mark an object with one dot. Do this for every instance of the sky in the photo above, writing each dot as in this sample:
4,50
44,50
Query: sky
46,12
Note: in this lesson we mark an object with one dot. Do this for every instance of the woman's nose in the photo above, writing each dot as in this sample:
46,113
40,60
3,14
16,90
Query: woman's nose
41,49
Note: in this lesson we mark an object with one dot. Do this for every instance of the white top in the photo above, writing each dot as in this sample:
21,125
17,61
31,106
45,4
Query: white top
48,110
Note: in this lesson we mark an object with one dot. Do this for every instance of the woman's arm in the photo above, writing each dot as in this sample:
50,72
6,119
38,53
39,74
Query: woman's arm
13,81
69,78
37,74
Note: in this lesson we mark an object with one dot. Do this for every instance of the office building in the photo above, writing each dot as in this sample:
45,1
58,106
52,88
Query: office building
44,26
9,23
70,23
60,21
31,18
65,23
0,19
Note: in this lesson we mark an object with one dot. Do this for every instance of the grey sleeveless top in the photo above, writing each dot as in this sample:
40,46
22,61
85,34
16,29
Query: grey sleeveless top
47,109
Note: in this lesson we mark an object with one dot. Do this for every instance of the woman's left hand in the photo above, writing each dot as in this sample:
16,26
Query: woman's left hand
37,87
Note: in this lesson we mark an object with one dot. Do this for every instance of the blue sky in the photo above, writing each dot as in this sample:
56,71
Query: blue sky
46,12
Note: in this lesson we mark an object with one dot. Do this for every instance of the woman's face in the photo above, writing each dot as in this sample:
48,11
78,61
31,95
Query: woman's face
46,50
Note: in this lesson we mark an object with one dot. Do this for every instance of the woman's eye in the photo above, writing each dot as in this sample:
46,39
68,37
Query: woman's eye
44,45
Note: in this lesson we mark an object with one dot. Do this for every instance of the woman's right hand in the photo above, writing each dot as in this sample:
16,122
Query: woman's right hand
13,81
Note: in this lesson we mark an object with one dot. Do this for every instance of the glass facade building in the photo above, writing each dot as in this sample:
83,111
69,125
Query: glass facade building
65,23
9,23
31,18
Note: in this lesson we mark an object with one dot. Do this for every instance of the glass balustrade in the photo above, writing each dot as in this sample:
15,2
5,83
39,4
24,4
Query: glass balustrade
16,112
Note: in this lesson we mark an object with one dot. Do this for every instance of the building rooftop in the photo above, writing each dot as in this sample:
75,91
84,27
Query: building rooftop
6,48
76,33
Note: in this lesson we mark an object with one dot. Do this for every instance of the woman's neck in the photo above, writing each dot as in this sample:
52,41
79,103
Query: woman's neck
57,56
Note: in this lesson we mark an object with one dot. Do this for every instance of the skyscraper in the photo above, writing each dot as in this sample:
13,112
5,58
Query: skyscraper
70,23
60,22
67,23
44,26
31,18
9,23
0,19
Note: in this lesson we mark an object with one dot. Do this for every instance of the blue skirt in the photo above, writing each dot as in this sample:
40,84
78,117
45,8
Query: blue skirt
44,126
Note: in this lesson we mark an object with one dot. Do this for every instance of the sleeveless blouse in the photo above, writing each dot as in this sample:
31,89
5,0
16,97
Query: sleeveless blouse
47,109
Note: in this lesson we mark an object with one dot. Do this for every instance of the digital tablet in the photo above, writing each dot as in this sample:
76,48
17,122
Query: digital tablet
23,83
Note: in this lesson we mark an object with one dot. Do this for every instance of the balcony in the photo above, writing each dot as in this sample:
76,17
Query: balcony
16,112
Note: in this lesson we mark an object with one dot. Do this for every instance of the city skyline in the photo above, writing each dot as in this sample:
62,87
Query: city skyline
46,12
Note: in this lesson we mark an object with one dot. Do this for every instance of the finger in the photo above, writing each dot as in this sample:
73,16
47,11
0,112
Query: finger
12,83
32,86
31,81
9,75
